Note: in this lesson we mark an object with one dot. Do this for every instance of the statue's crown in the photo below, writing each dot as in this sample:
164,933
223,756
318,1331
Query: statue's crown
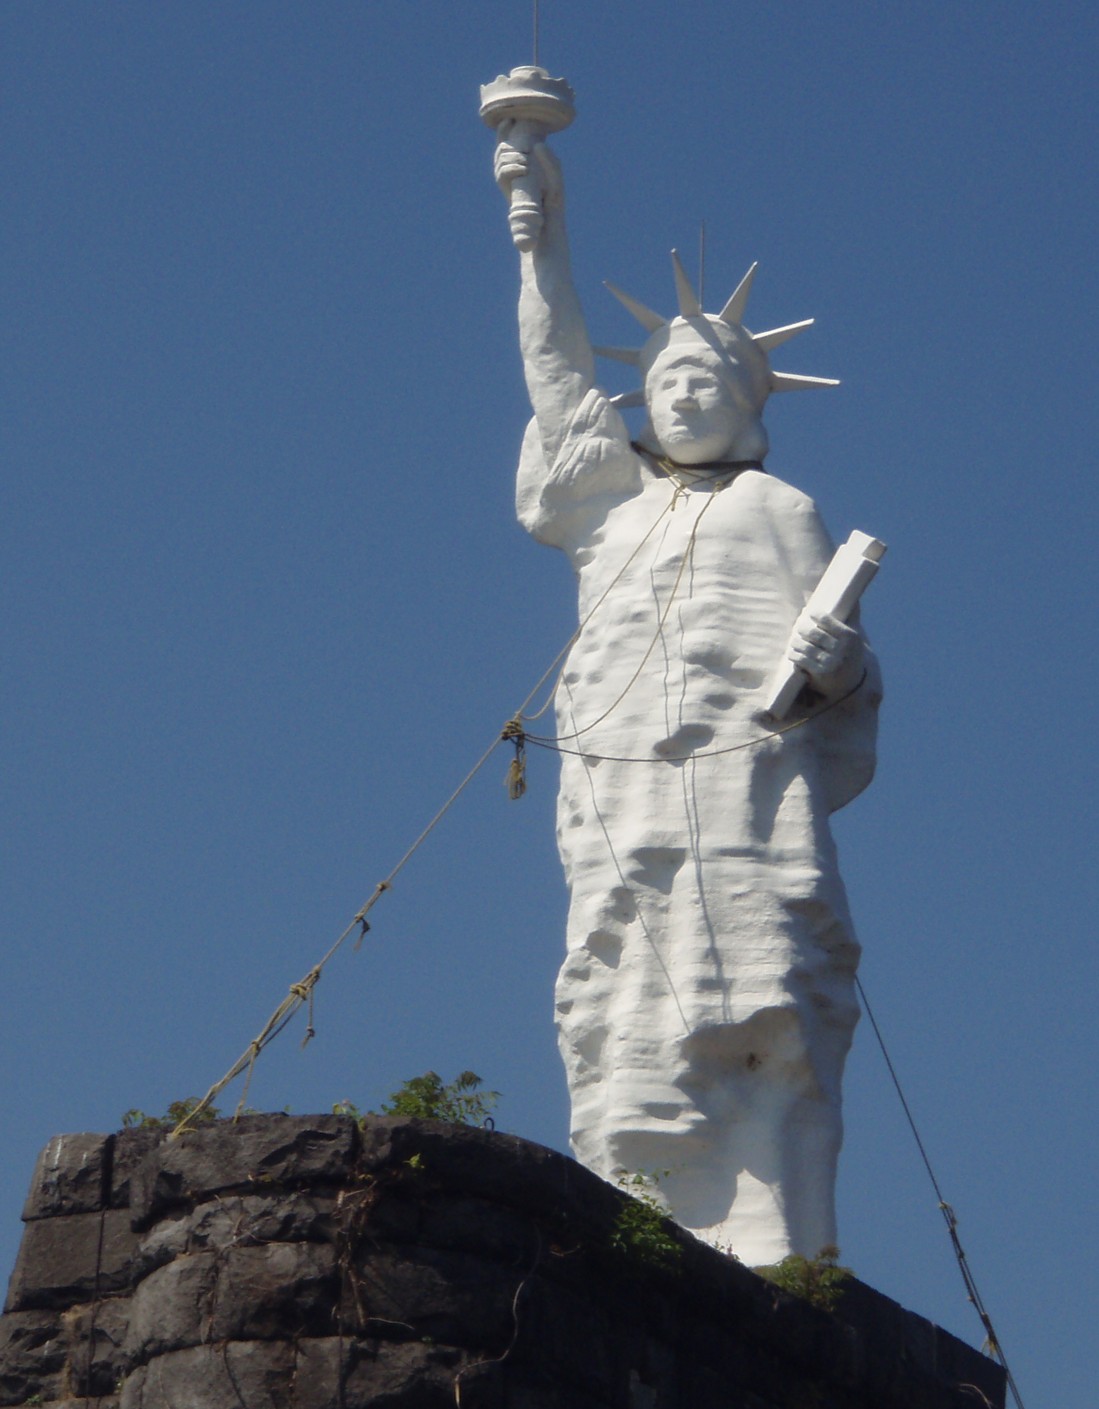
724,331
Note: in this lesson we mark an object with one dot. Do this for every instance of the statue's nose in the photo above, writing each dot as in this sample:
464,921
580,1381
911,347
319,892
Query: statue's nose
684,402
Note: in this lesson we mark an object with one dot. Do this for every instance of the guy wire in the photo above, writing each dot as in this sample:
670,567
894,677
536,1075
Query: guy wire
945,1209
301,993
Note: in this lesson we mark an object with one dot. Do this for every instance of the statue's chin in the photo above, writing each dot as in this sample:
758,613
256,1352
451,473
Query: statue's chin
696,452
747,442
693,453
686,449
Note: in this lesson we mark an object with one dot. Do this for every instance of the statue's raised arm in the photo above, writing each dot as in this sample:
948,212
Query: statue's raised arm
523,107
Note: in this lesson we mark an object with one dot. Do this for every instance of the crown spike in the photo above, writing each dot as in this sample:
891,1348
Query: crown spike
733,312
689,306
630,355
790,381
775,337
649,320
627,398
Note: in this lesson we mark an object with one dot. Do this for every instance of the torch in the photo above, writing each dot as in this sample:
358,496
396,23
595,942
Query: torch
523,107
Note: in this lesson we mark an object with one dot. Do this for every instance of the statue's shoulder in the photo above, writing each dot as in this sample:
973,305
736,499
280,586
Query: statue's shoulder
783,515
773,494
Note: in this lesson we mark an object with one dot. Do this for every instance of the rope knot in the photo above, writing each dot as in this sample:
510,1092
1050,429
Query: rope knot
364,929
304,989
516,780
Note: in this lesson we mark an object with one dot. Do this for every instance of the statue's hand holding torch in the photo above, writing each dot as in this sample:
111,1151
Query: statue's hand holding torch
523,108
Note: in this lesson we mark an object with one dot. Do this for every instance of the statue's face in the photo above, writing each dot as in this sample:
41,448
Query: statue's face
701,406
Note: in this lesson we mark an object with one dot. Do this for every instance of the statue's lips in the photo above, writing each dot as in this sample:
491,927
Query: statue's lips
691,420
684,425
683,429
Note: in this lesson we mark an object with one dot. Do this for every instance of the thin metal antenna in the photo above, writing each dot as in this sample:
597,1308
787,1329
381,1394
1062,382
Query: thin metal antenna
702,263
535,33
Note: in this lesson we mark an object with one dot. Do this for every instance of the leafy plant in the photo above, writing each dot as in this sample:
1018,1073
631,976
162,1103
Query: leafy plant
177,1111
460,1101
818,1280
641,1228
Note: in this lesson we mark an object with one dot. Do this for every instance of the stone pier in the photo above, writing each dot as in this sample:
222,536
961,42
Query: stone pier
300,1262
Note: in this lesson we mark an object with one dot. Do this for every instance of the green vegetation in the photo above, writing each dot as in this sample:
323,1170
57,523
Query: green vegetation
177,1111
817,1280
460,1101
641,1228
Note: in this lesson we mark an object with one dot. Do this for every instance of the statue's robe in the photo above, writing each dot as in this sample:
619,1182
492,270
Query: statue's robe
706,1003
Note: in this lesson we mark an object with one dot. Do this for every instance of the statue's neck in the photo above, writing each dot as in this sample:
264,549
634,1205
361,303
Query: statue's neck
708,469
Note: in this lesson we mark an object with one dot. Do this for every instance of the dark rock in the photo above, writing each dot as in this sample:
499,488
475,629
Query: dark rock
234,1375
323,1373
95,1335
72,1259
394,1212
129,1149
241,1220
334,1373
288,1263
477,1226
490,1165
279,1290
262,1293
918,1347
958,1364
32,1356
172,1308
577,1334
319,1364
449,1297
76,1402
256,1154
70,1177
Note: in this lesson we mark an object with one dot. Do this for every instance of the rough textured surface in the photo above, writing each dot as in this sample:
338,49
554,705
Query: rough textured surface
62,1260
300,1263
70,1176
707,1000
244,1156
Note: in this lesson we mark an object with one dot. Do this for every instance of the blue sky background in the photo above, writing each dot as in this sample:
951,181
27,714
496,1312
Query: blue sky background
266,601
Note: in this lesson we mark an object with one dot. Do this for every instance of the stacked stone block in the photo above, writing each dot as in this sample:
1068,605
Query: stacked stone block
305,1263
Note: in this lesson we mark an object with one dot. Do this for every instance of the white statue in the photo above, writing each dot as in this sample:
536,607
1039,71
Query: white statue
706,1004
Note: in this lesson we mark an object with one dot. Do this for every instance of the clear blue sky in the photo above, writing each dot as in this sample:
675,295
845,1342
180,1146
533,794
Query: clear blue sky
265,600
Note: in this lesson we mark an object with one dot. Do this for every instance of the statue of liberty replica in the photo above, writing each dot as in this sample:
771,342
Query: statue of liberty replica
707,1002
